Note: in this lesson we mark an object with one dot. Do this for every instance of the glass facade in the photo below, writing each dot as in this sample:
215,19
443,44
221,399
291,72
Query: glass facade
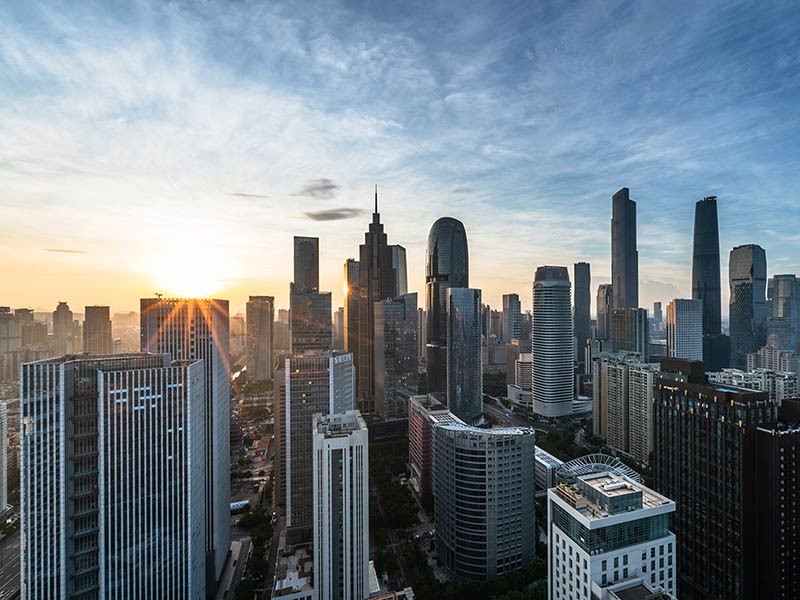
464,370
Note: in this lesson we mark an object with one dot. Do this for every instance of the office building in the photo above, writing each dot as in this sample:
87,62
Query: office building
748,279
238,342
551,343
735,485
260,316
310,326
630,331
705,265
780,385
112,478
341,506
97,331
685,329
484,499
424,413
624,255
464,368
321,382
581,310
396,360
377,280
400,270
194,329
622,400
306,262
351,283
62,322
607,529
783,323
446,266
338,329
658,316
520,392
605,304
511,317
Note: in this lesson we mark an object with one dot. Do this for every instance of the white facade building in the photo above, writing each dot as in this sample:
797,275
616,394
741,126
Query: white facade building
521,391
607,529
341,506
545,471
685,329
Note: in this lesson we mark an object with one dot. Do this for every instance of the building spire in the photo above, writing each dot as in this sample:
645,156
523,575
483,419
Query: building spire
376,198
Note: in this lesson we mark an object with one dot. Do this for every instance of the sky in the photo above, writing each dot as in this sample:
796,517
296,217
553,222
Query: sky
176,147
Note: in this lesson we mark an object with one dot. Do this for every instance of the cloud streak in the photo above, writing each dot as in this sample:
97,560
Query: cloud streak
321,189
64,251
335,214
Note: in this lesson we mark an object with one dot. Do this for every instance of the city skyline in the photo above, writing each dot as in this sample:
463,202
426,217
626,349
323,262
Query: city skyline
225,147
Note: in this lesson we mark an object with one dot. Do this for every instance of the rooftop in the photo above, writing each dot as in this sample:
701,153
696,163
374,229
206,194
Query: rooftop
340,424
294,571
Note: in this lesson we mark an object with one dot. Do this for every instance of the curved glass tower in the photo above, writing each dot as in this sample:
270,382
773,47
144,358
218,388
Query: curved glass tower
446,266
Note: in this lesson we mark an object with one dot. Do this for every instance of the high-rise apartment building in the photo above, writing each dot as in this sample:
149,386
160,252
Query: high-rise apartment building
484,499
112,478
511,317
608,532
581,309
624,255
464,368
341,506
321,382
551,343
97,331
446,266
622,396
731,461
630,331
748,279
260,316
780,385
605,304
195,329
772,357
685,329
306,262
396,358
351,283
377,281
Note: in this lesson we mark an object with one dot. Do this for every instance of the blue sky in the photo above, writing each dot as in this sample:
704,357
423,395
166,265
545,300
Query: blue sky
166,143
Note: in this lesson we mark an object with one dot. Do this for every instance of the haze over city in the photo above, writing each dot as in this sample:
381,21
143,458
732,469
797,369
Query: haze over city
177,148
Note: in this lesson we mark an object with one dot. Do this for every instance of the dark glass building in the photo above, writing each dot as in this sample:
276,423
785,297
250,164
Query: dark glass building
605,304
464,368
748,312
581,315
630,331
705,264
310,325
446,266
306,262
624,255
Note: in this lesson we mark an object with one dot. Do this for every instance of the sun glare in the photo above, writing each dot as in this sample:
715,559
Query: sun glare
189,276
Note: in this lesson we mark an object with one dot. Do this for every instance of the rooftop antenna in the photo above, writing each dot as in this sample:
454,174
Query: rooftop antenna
376,198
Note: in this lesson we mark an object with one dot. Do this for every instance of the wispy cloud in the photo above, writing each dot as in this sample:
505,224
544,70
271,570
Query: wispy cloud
319,188
335,214
64,251
246,195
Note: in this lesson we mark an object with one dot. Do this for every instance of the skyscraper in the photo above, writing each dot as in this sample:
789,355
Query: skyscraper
396,359
338,329
685,329
630,331
658,315
464,369
62,322
446,266
581,310
624,255
705,264
484,499
377,280
112,478
400,269
605,304
748,280
195,329
321,382
306,262
97,331
351,283
511,317
551,343
783,323
341,506
260,315
608,533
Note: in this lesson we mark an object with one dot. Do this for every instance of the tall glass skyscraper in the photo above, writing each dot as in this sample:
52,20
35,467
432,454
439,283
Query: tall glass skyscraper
605,304
306,262
551,343
511,317
624,255
581,312
446,266
705,264
464,368
748,281
260,317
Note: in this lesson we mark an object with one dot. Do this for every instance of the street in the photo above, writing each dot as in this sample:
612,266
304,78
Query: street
9,567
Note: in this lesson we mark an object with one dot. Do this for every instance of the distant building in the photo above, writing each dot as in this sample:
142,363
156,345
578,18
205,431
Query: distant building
552,343
705,264
748,312
783,323
630,331
624,255
511,317
581,310
773,358
259,322
97,331
351,283
464,370
545,471
658,316
484,500
685,329
521,391
338,329
424,413
306,262
310,326
604,529
97,430
400,270
341,506
780,385
396,359
605,304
